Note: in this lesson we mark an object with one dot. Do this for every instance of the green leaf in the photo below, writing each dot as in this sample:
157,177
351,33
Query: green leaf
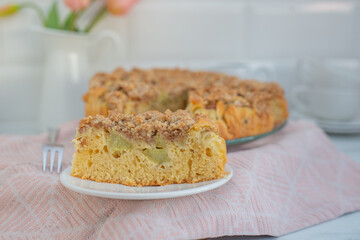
97,18
53,19
70,21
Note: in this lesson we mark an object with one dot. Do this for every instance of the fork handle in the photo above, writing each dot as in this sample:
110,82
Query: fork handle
52,135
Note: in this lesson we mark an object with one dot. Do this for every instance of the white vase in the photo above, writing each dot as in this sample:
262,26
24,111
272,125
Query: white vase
66,73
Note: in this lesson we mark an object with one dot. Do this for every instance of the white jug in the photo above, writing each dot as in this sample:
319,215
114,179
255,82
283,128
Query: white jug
66,73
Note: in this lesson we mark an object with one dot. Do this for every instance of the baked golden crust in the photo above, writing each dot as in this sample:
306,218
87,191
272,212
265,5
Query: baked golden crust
248,108
240,107
95,101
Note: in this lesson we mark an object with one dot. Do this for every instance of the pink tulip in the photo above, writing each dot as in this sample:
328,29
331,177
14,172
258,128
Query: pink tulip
77,5
119,7
9,9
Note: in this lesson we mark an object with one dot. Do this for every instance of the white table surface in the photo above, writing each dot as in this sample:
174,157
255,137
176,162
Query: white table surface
346,227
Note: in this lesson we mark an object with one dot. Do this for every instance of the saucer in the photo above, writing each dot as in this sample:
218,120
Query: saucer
329,126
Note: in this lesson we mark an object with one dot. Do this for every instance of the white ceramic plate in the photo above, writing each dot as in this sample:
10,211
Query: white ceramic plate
119,191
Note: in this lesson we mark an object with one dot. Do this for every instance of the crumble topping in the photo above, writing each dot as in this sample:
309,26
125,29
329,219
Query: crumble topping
243,94
145,126
209,87
98,80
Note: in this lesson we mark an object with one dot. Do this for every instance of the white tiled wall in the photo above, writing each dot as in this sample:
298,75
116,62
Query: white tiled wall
202,29
303,28
272,33
220,29
243,29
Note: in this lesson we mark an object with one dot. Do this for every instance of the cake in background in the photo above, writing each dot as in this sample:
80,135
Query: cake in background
240,108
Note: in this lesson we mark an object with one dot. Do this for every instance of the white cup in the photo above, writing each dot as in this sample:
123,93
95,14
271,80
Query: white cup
328,103
330,90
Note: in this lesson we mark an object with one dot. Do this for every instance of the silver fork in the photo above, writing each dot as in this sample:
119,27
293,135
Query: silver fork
52,148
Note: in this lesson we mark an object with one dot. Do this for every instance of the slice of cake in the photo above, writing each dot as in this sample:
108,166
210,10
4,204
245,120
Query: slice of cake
149,149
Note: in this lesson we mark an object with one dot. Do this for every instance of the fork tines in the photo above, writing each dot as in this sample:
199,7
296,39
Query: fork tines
53,149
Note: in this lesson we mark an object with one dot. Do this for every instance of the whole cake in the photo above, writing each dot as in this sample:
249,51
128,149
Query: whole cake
240,108
148,149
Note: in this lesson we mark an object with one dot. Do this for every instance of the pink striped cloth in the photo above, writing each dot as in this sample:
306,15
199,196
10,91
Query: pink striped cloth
293,179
